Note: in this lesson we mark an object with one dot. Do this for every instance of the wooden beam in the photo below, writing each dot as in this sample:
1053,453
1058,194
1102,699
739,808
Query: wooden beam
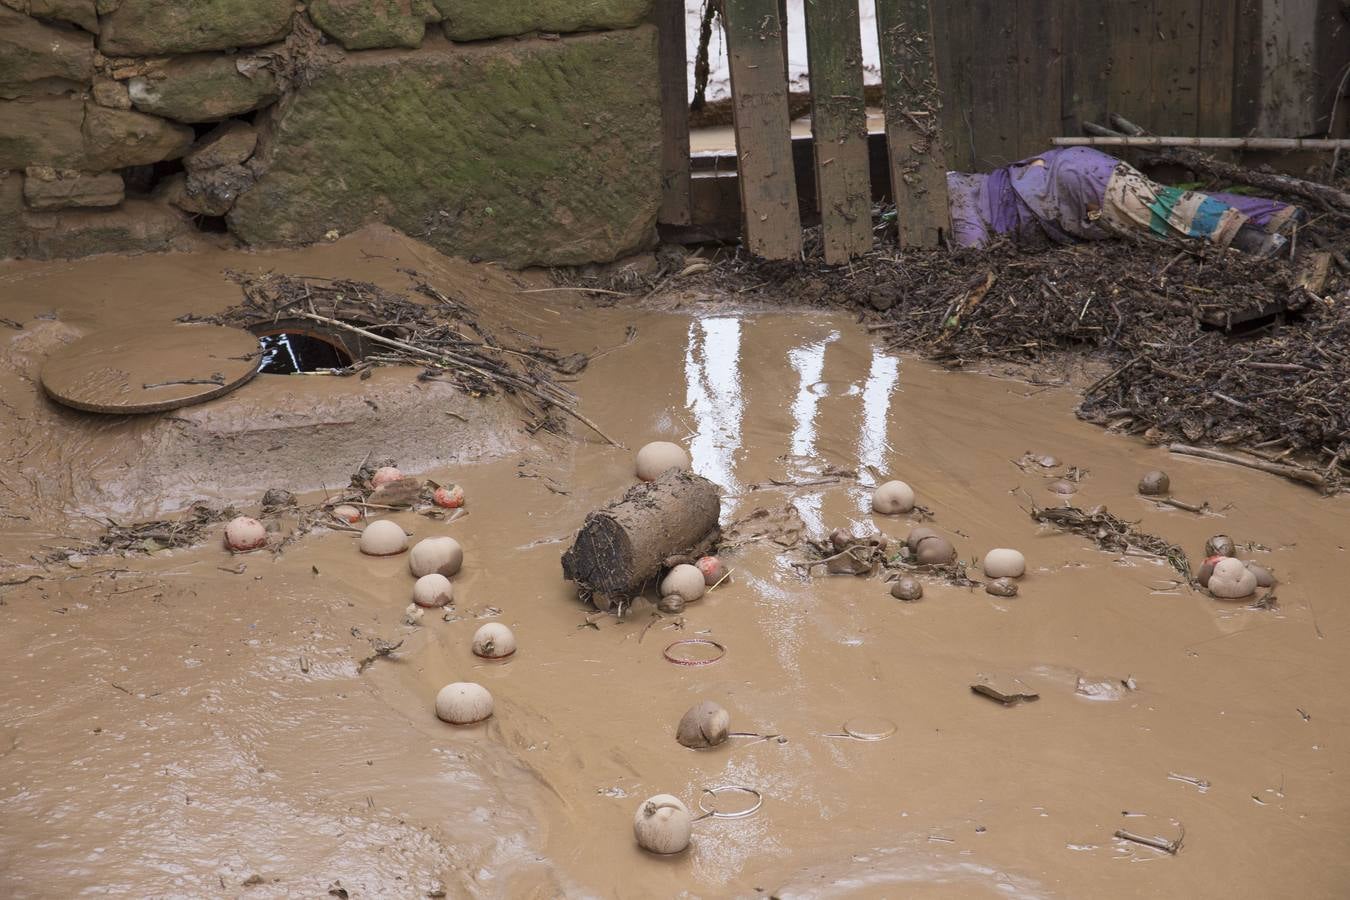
913,104
763,129
673,66
839,127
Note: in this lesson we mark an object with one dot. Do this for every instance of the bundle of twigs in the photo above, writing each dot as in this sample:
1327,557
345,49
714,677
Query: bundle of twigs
442,335
1112,533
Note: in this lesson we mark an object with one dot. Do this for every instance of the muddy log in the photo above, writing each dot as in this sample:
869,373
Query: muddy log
623,546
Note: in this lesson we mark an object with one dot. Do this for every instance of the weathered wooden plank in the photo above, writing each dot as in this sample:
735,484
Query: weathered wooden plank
1086,66
1040,74
673,67
839,127
951,26
913,102
1174,67
995,93
1129,88
1214,93
763,137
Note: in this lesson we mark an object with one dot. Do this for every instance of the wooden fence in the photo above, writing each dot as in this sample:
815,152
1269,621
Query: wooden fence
764,159
976,84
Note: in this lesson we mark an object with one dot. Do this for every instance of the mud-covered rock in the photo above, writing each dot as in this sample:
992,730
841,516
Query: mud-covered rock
364,24
157,27
229,143
472,20
531,152
47,188
37,59
213,191
78,12
42,132
204,88
115,138
136,225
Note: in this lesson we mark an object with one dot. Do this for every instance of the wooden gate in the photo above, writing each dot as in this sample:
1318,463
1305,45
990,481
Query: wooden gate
755,36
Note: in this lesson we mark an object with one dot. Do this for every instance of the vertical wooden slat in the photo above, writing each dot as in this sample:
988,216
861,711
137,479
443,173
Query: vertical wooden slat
1175,66
995,94
839,127
763,138
1218,37
673,67
1040,74
951,24
1129,24
1248,66
1087,69
913,129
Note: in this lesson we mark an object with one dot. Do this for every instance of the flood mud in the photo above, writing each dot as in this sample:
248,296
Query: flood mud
190,723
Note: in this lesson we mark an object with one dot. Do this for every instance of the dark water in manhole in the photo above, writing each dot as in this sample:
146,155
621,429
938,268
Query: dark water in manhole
288,352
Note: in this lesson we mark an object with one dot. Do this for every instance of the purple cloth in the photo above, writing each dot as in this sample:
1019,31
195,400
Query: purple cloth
1049,196
1058,196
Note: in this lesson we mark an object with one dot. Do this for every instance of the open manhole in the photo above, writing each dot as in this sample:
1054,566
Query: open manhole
290,346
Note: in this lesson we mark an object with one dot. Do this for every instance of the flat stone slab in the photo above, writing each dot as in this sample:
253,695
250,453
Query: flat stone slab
150,368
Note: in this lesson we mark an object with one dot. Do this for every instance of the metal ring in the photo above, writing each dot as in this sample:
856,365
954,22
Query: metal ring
694,662
759,801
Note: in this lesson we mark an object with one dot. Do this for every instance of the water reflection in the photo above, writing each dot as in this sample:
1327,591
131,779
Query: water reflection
809,363
712,373
873,447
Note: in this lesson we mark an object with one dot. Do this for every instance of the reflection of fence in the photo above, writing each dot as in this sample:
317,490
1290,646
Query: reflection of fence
764,159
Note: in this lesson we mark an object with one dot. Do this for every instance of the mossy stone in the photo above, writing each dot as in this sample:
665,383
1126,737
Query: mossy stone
474,20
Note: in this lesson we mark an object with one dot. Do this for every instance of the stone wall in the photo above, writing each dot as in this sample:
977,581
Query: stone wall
521,130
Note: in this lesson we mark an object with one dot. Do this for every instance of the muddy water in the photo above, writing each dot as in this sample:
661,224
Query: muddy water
174,727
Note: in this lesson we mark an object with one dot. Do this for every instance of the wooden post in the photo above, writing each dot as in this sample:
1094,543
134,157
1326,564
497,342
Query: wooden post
839,127
913,103
673,66
763,137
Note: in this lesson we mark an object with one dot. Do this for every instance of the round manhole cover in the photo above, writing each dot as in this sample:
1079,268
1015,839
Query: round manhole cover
150,368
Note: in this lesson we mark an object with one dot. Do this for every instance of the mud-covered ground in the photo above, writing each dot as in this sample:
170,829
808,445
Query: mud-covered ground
191,723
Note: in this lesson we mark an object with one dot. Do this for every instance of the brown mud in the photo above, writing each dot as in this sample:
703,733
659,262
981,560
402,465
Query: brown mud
191,723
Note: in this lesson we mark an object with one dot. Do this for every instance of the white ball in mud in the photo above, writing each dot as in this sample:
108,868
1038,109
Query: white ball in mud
1004,563
385,475
893,498
663,824
494,641
243,534
463,703
433,590
658,456
685,580
1232,580
383,538
442,555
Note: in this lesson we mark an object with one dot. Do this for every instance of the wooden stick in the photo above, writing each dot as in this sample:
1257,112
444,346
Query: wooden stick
1217,143
1157,843
515,382
1296,473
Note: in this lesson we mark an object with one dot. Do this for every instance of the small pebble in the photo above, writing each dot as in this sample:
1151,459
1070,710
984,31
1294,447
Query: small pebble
1155,483
1062,487
1001,587
907,589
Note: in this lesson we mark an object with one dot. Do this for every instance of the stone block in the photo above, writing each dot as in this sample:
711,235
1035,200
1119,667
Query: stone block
204,88
110,93
37,59
47,188
365,24
115,138
159,27
474,20
78,12
42,132
137,225
533,152
229,143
